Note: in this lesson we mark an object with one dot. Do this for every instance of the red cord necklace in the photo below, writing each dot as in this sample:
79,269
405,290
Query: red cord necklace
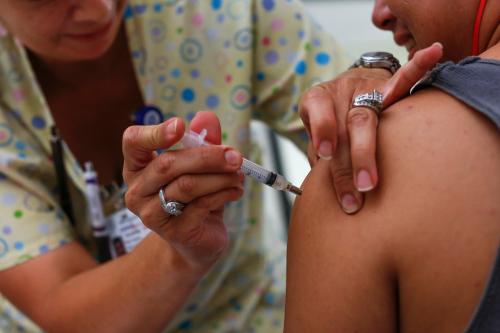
477,26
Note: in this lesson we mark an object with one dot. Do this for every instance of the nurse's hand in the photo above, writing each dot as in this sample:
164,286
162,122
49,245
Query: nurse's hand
347,136
203,178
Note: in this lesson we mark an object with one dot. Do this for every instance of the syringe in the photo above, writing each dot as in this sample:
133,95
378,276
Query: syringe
249,168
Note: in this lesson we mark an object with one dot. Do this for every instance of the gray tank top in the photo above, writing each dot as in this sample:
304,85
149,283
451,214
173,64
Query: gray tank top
476,82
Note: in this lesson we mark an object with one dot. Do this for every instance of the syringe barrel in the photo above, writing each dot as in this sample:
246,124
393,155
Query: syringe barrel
249,168
280,183
257,172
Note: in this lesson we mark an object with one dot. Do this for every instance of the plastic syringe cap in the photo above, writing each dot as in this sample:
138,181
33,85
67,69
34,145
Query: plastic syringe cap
192,139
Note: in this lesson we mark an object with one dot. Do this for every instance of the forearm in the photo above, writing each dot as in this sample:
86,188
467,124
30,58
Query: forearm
139,292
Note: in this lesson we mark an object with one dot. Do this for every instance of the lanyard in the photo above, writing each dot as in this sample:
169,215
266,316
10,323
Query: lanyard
62,177
146,115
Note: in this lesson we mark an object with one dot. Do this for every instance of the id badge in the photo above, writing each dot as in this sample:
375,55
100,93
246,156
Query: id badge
125,231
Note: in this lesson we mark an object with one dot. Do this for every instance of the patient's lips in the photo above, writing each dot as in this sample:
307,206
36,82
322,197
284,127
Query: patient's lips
411,47
404,38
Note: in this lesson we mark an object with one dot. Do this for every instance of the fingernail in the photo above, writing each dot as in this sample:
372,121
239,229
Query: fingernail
172,127
325,150
438,44
349,204
232,157
364,181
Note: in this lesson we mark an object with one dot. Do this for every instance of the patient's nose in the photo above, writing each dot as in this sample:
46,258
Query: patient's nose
382,16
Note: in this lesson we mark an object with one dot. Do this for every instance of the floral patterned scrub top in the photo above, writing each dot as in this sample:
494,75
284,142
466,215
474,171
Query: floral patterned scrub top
244,59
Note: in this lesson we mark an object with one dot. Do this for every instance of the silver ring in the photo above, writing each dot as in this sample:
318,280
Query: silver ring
171,207
371,100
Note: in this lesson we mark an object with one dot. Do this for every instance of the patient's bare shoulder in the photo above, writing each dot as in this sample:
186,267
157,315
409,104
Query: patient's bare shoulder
419,253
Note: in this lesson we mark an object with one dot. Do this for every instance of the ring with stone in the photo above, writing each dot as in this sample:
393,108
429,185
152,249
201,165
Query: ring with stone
171,207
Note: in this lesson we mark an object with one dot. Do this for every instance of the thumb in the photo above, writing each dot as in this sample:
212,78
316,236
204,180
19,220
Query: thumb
400,84
207,120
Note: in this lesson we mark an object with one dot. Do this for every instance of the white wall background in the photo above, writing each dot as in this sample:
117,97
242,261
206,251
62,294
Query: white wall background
349,21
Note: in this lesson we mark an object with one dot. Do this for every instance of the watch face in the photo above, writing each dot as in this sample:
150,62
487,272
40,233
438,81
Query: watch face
376,56
378,60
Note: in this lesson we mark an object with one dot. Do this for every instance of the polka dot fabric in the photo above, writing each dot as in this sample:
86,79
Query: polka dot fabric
243,59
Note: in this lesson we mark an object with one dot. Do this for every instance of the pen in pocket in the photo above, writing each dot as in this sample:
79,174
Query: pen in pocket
98,220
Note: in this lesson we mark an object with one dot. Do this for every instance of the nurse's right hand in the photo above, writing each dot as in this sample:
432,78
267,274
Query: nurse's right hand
203,178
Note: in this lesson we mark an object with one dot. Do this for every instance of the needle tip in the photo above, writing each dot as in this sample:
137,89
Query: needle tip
294,189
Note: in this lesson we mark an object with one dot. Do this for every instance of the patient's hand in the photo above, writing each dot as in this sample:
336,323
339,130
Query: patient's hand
348,136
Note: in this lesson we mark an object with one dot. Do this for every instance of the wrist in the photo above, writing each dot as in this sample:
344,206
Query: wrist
379,73
167,260
378,60
187,270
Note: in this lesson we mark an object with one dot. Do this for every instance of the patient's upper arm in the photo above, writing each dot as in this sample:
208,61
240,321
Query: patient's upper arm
418,255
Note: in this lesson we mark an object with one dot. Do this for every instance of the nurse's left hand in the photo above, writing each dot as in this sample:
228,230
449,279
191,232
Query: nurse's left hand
347,136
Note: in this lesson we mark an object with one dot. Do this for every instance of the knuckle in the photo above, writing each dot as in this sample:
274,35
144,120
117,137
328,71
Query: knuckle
418,60
232,180
236,194
147,217
207,154
318,107
349,83
310,96
127,176
210,202
407,73
131,135
420,64
361,150
151,137
205,204
156,135
130,198
303,113
318,91
164,163
359,117
186,184
342,176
